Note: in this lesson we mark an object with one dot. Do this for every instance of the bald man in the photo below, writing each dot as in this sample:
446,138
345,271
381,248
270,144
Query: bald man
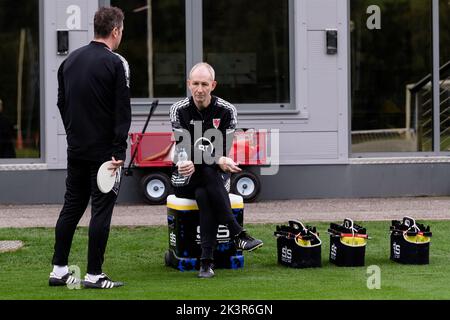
198,174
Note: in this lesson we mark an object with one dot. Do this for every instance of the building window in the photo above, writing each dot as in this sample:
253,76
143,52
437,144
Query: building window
249,49
154,43
19,79
391,54
444,8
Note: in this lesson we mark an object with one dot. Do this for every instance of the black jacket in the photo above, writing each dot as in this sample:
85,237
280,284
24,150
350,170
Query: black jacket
94,102
186,118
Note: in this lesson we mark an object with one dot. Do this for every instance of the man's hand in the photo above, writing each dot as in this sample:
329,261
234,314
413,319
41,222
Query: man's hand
228,165
115,165
186,168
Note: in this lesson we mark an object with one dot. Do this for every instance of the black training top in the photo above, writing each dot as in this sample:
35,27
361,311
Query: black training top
94,102
202,130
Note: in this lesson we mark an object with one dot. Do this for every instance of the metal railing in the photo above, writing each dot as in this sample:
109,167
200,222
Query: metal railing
422,122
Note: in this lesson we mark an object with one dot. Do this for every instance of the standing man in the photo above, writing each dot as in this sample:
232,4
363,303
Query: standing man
94,102
203,181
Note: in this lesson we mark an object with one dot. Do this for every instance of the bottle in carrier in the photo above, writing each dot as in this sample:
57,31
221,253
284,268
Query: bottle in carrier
347,244
410,242
298,246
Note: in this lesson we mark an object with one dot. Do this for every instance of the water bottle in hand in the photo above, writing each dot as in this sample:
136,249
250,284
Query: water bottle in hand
182,157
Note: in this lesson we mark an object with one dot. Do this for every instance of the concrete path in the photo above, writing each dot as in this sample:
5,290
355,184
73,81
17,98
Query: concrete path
425,208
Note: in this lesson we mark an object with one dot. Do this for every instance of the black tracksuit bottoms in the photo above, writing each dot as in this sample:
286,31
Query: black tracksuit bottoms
81,186
207,188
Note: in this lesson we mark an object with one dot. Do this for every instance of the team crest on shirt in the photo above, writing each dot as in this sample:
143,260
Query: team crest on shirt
216,123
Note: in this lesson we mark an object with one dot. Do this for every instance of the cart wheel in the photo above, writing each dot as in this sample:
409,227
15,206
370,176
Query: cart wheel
167,259
156,187
246,184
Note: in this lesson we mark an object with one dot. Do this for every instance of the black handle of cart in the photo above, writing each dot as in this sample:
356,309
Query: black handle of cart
155,104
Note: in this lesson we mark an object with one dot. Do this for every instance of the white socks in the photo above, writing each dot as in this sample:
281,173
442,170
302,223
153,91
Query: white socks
92,278
60,271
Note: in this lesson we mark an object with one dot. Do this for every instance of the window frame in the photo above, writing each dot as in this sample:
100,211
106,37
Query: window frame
41,159
435,29
194,54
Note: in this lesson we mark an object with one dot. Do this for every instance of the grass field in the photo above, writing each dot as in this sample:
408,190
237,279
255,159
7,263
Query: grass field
136,256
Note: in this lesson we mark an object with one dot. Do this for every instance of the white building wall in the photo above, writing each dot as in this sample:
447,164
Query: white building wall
75,16
317,132
321,86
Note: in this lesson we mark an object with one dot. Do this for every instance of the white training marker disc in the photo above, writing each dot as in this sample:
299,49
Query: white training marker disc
10,246
105,180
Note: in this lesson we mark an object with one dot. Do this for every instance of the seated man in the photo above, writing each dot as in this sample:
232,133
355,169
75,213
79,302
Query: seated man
191,118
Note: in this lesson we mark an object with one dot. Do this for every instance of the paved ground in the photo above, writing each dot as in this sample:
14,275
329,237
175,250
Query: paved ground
425,208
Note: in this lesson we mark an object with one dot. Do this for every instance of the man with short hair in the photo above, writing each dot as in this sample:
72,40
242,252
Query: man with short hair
94,102
201,180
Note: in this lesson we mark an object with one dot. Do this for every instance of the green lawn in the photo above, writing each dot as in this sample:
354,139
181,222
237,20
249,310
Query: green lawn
136,256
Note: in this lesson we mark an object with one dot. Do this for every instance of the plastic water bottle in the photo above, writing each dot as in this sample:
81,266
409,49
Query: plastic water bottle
182,157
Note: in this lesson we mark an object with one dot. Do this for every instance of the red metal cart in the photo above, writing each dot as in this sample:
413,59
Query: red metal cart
154,156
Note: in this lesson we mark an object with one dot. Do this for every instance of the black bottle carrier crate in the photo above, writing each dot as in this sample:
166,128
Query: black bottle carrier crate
410,242
347,244
298,246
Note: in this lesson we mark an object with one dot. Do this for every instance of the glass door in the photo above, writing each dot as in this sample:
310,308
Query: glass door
391,67
444,33
20,117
